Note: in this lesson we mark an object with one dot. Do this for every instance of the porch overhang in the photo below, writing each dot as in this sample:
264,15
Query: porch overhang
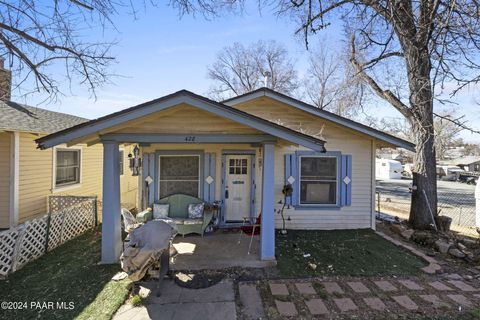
91,131
187,138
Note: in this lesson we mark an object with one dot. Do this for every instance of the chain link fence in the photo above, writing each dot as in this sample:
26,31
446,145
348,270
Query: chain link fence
456,204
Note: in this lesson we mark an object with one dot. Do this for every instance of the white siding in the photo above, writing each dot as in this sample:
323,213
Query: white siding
338,138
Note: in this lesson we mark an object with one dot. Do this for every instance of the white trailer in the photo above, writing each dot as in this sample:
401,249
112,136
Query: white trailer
388,169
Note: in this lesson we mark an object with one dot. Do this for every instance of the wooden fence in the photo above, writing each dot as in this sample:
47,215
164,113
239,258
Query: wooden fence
68,217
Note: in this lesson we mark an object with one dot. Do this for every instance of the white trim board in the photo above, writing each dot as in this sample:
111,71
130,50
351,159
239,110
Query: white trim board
14,177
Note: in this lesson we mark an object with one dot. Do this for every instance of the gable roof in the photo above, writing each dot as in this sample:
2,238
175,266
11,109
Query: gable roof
19,117
92,127
266,92
467,160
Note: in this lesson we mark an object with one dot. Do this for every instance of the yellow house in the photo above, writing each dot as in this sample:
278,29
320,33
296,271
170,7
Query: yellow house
29,175
243,153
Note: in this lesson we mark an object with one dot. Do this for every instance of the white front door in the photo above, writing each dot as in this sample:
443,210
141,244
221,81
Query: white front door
237,187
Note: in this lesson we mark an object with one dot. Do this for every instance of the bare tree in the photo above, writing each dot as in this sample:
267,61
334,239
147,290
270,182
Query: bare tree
332,84
239,69
446,135
446,132
435,42
38,36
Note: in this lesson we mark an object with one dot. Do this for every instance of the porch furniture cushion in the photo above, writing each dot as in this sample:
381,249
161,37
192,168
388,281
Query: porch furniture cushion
160,210
178,212
193,221
178,220
195,210
144,216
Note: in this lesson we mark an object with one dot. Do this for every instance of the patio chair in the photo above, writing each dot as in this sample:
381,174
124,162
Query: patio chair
129,221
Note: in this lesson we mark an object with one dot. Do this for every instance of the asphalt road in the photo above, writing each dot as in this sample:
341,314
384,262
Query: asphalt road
450,192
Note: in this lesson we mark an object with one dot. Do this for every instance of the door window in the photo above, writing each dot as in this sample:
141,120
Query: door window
238,166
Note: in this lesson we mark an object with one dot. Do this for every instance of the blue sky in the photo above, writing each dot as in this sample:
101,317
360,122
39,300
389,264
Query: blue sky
160,53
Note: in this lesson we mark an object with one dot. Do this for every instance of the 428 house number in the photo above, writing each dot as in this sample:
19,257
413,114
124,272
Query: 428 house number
190,138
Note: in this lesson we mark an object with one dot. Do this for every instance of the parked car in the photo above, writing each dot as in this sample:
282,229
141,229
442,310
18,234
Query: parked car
468,178
449,173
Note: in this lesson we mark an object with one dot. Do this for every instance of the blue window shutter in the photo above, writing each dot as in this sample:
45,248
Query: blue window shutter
346,188
151,173
209,171
212,174
145,168
291,171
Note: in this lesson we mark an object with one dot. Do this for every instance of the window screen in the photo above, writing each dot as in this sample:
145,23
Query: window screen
67,167
179,174
318,180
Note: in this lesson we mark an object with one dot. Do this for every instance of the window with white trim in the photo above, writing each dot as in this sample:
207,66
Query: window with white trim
67,167
179,174
318,180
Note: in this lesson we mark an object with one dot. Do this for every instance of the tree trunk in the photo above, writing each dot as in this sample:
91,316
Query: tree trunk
424,191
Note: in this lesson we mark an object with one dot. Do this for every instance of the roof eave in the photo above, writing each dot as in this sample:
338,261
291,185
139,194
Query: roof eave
265,92
180,97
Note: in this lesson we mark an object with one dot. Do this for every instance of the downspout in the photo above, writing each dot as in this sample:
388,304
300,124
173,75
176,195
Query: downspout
14,177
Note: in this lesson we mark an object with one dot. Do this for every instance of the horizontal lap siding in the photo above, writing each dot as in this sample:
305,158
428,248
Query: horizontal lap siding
359,214
185,120
5,179
36,177
128,183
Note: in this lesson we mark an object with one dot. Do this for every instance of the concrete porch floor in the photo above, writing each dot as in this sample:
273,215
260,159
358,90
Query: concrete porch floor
217,250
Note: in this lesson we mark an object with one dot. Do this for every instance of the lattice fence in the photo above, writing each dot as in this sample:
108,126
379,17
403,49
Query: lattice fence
33,238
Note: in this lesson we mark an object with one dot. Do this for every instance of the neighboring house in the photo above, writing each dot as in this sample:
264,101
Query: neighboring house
468,163
242,152
29,175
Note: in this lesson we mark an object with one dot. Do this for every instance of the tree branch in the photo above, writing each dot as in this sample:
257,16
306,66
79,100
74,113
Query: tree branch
384,94
458,122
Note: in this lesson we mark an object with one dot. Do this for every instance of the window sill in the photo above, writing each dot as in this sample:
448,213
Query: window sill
67,187
317,207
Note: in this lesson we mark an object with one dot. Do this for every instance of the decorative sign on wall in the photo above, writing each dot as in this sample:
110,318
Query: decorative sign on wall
209,179
148,180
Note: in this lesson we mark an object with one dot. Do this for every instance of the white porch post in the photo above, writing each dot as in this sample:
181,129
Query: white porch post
267,234
111,227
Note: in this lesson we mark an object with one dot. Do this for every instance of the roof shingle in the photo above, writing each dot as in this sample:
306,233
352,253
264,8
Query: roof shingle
18,117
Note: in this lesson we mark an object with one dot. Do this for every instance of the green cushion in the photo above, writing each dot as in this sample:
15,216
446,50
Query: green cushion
179,204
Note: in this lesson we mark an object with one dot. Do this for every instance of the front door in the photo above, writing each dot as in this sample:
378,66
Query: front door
237,196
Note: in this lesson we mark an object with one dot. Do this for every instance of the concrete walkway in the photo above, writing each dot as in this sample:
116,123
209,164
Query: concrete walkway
177,303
